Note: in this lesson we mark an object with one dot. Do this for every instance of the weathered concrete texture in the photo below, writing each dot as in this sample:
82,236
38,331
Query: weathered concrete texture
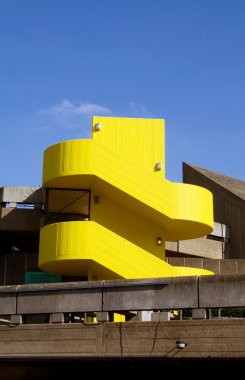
65,299
229,206
56,318
8,303
177,293
199,314
203,339
222,291
223,266
202,247
124,295
16,319
240,266
228,267
15,194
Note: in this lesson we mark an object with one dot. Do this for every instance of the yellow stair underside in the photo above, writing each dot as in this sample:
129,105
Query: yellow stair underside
88,249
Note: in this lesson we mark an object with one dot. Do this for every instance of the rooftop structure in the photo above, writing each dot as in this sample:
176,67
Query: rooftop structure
229,204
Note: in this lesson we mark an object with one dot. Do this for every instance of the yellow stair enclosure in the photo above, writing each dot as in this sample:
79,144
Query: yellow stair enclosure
109,208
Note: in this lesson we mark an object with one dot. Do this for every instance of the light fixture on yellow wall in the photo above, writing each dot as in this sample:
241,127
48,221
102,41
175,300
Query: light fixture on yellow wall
158,166
97,127
158,241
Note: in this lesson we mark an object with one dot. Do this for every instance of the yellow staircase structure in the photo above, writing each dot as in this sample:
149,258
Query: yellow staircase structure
112,207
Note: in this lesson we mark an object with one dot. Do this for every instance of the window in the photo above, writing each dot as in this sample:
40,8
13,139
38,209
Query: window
66,205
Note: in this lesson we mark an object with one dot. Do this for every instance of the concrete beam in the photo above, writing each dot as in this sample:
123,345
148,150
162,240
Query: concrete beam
150,294
204,292
222,291
60,298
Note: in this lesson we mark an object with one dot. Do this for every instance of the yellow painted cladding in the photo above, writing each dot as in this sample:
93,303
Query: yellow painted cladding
133,208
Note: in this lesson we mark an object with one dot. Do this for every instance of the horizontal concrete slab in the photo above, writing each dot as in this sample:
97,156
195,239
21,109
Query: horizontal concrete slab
165,293
222,291
219,291
82,300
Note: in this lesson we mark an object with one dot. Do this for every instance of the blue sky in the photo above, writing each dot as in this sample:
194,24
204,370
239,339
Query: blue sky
62,61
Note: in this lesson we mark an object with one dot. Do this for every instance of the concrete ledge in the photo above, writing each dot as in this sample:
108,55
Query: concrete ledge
165,293
204,292
66,301
222,291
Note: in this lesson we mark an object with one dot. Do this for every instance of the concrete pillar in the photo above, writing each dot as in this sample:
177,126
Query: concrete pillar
144,315
56,318
16,318
102,316
199,314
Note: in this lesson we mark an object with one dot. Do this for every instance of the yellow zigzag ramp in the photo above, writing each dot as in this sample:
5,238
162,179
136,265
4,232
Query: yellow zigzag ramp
133,208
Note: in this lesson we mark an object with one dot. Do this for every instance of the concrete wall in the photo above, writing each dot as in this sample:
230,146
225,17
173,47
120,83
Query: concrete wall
228,209
201,247
225,266
204,339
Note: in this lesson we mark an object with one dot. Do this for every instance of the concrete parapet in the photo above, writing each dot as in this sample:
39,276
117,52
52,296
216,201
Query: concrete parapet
222,291
57,298
162,293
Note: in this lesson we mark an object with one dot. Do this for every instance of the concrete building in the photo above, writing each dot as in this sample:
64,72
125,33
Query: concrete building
229,205
227,241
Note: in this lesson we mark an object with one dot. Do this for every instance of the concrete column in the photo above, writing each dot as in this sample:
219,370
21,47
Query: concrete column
16,318
199,314
56,318
102,316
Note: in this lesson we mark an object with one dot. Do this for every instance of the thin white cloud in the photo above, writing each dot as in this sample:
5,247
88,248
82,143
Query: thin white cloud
67,116
66,107
139,110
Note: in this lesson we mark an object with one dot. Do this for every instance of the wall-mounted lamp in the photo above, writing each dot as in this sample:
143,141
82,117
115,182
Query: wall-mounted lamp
158,166
158,241
180,344
97,127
